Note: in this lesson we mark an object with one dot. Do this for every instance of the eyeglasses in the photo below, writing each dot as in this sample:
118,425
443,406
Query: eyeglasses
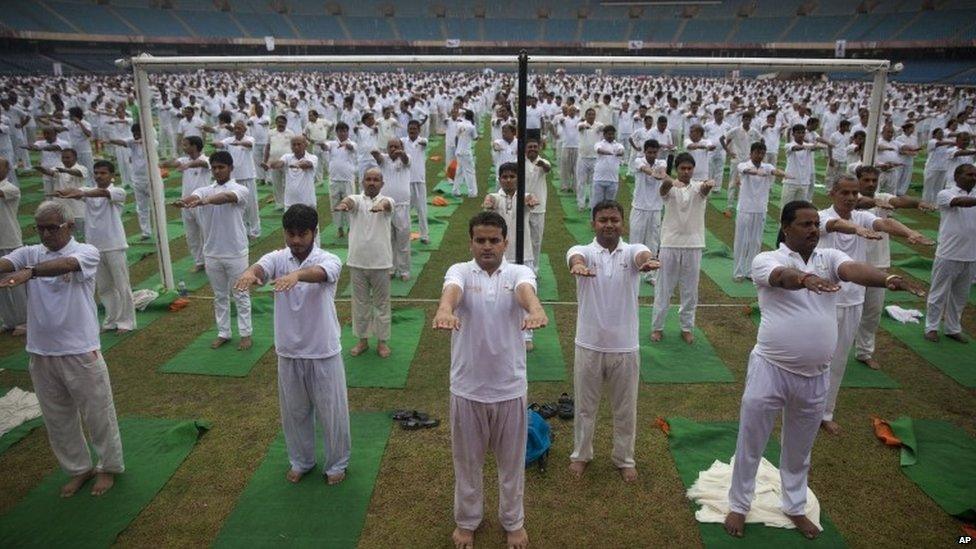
50,228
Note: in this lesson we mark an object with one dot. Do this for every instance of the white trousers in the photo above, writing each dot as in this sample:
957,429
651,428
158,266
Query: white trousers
252,219
400,238
337,191
75,395
678,265
193,232
114,291
716,167
13,301
122,164
278,186
792,192
870,319
418,201
140,188
848,319
567,167
476,428
621,374
749,228
370,303
603,190
167,141
310,391
905,177
537,226
465,173
257,153
933,183
87,160
888,181
645,228
8,153
223,272
771,391
322,168
734,183
951,281
584,179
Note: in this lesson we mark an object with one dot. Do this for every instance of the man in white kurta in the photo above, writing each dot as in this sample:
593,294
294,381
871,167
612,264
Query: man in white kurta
299,167
342,174
240,147
311,376
279,144
67,368
608,273
487,302
395,165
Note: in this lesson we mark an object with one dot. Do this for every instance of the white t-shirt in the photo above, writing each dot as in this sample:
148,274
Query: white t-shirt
396,179
957,226
342,161
279,143
10,234
299,183
305,322
194,178
224,234
879,251
370,246
417,152
701,157
535,183
754,189
647,195
683,225
103,220
589,136
852,245
243,157
488,351
664,139
606,319
193,127
798,330
607,166
505,206
64,181
61,315
505,151
799,164
51,159
258,127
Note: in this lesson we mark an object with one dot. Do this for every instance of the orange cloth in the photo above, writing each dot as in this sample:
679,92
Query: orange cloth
179,304
452,169
884,433
662,424
436,158
439,201
164,173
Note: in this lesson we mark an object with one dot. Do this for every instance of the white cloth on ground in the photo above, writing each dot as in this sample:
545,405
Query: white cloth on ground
16,407
904,315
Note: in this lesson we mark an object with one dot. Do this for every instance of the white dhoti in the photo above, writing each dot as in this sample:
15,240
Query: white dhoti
223,272
749,227
310,391
848,319
678,266
621,373
476,428
370,303
951,281
115,292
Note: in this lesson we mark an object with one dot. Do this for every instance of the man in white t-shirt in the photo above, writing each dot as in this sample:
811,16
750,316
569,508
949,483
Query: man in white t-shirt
536,171
589,132
608,273
67,368
196,174
699,148
606,169
139,177
279,144
50,148
370,260
487,303
311,376
317,132
755,180
799,166
567,131
258,129
416,149
220,209
103,229
342,174
68,174
299,167
788,368
395,165
646,206
239,146
682,242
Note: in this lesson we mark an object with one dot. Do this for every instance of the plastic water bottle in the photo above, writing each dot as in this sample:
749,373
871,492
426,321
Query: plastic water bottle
181,288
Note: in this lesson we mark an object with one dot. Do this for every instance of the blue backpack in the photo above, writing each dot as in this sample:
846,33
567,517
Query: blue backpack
538,442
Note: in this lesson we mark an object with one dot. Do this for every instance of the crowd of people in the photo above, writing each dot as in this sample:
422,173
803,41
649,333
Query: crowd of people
366,137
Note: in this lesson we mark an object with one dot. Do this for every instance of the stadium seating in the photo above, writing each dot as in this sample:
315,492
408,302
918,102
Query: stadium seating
152,21
31,16
318,27
419,28
759,30
816,28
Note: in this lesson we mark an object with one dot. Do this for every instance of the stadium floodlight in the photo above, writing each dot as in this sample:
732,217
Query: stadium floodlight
144,64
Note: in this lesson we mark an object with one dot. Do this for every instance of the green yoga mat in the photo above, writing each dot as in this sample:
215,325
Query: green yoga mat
941,459
717,264
546,287
273,512
921,268
695,446
16,434
446,188
181,272
545,362
398,288
856,375
153,449
947,355
199,358
671,360
575,221
368,369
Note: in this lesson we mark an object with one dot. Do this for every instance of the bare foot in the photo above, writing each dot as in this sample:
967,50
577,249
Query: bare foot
75,484
932,336
832,427
103,483
245,343
735,524
197,268
383,349
293,476
870,362
529,346
578,468
360,348
404,277
518,539
215,344
463,539
336,478
957,337
805,526
688,337
657,335
122,331
629,474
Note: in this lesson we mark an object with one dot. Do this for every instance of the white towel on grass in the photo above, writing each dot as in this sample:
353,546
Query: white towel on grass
16,407
711,492
903,315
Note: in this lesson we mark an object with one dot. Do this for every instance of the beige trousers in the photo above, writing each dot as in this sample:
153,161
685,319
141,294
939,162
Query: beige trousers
370,303
620,372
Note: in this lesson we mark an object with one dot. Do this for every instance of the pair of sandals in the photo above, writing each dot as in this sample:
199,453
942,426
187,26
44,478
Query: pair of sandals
563,408
412,420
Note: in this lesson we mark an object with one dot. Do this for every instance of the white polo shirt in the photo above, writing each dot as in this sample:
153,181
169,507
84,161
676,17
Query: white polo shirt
299,183
61,315
607,166
957,227
606,319
683,225
224,234
370,246
396,179
798,330
305,322
243,157
852,245
342,161
754,189
799,164
488,351
192,127
647,189
417,152
103,220
10,234
194,178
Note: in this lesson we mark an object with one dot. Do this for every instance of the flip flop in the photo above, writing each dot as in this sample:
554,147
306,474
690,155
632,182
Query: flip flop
401,415
416,423
565,407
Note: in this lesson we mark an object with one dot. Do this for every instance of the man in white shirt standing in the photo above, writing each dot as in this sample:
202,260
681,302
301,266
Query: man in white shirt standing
536,170
196,174
279,144
299,167
370,260
464,153
608,273
567,128
606,170
395,165
311,376
646,206
589,132
317,132
342,174
67,368
258,128
954,267
220,207
416,149
487,302
13,301
799,167
103,229
682,242
239,146
755,180
788,368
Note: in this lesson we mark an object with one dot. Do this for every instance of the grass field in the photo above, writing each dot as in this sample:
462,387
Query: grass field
855,477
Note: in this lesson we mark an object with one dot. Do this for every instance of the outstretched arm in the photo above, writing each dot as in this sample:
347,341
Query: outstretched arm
445,319
535,316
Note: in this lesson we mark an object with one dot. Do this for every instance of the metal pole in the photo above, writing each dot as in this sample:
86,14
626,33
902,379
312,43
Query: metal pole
523,85
143,96
874,117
